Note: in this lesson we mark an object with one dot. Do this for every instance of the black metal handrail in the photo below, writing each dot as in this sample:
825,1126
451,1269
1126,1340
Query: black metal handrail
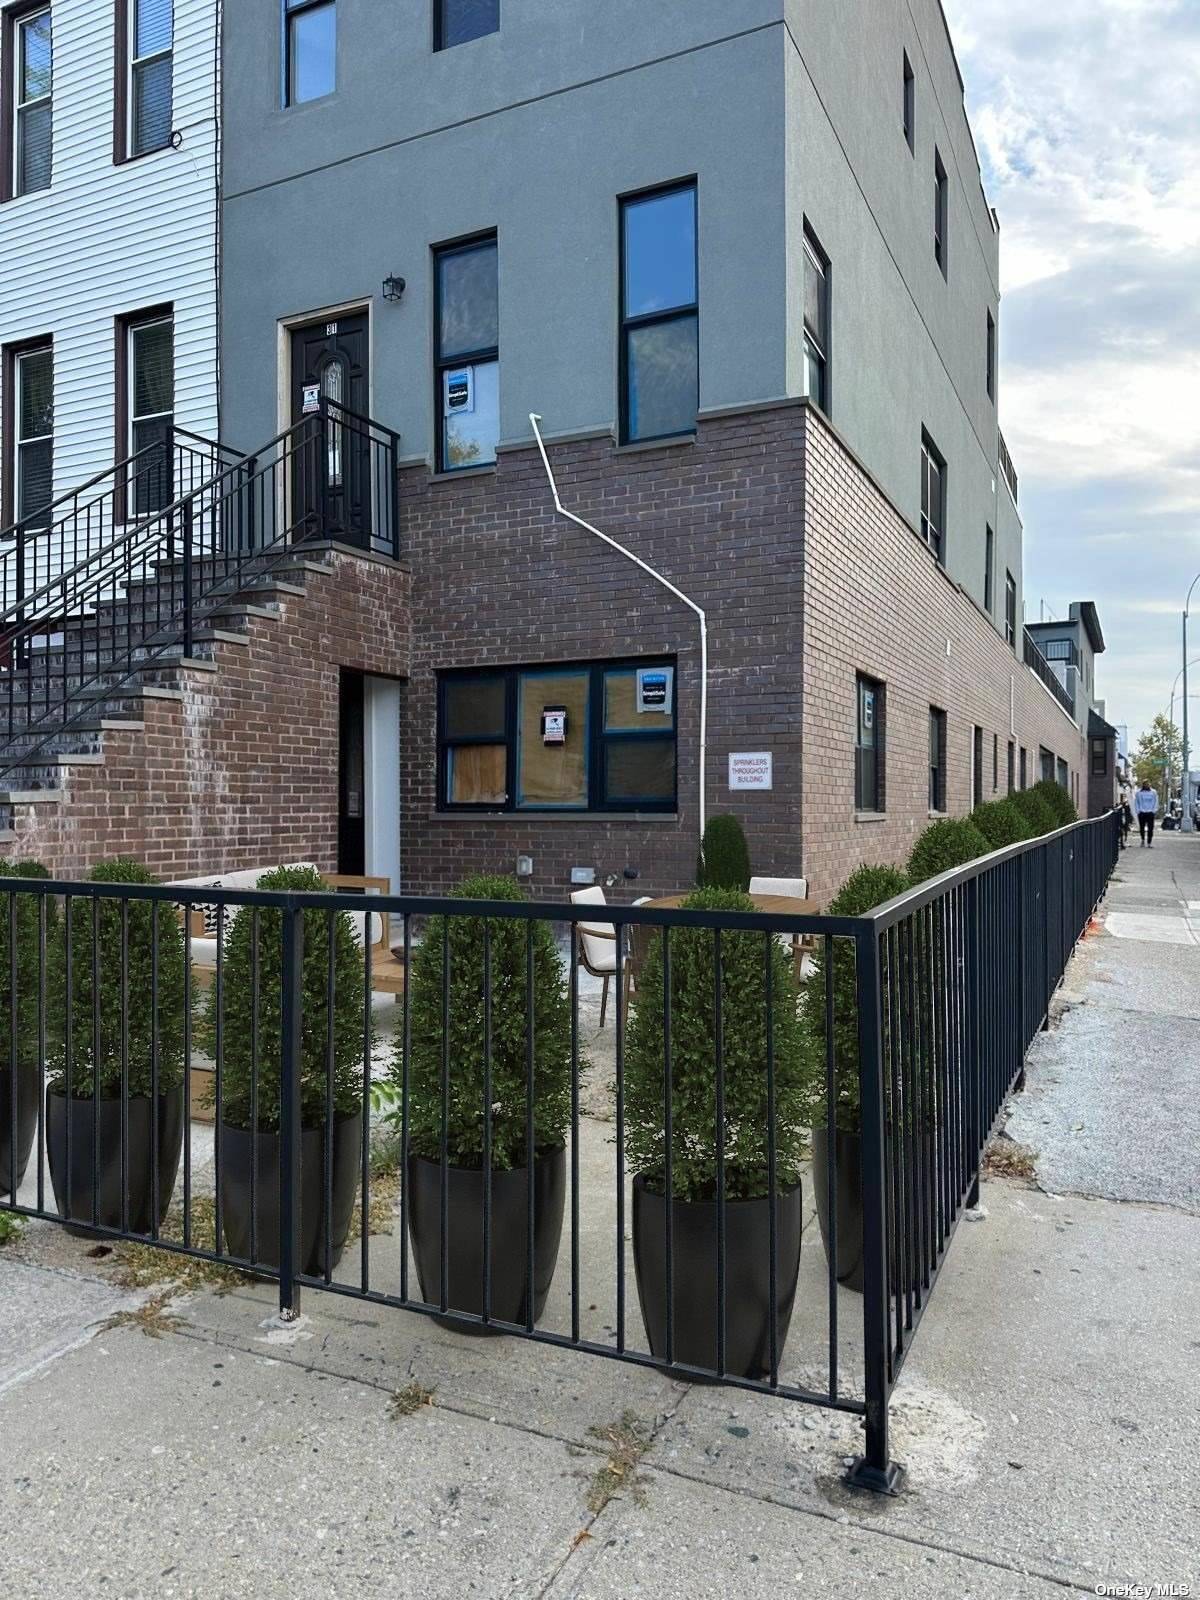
91,627
80,523
1007,470
1035,660
946,988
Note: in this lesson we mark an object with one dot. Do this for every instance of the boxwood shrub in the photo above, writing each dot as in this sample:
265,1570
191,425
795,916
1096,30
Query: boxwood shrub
1002,823
1058,802
249,1029
1032,806
694,1060
864,889
463,1043
949,843
724,860
132,1008
26,932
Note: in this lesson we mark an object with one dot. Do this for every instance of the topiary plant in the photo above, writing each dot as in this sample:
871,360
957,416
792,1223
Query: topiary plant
863,890
21,1005
1058,802
250,1030
724,859
1001,822
944,845
694,1057
1032,806
139,1011
464,1043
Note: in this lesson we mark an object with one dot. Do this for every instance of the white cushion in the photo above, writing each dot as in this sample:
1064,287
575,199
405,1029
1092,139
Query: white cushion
796,888
599,951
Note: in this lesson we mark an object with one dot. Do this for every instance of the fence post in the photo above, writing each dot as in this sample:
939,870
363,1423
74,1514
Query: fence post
974,1042
394,474
289,1114
1022,999
873,1469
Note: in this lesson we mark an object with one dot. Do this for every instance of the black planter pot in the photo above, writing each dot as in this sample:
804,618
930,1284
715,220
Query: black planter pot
509,1236
239,1147
694,1277
848,1202
28,1090
106,1135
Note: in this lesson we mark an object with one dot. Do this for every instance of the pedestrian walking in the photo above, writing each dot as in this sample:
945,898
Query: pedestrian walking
1146,805
1126,819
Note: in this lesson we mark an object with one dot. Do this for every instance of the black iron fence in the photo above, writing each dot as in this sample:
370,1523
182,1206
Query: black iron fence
642,1191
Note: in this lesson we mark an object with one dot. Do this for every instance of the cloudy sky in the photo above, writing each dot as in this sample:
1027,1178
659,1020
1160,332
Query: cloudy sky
1087,117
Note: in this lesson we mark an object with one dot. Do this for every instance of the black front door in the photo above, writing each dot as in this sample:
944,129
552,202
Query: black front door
332,476
352,808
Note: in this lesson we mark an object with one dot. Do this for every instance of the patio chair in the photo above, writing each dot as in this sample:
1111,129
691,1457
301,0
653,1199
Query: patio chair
640,937
799,944
596,943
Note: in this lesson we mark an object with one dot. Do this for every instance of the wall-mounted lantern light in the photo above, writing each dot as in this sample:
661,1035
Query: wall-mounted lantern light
393,288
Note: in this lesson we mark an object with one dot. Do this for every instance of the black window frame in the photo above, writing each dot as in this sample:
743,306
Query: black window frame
1012,766
815,340
933,532
439,28
1099,749
909,103
937,760
1010,610
989,569
941,214
629,325
480,357
878,795
990,358
995,763
976,765
1024,768
599,739
289,10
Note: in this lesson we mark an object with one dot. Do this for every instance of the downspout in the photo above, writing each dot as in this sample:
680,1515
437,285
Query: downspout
535,419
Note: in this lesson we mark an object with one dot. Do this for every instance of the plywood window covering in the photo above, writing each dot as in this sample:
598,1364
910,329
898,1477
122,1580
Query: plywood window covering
492,751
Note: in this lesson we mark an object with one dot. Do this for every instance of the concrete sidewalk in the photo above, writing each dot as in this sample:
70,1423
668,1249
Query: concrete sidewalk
1046,1415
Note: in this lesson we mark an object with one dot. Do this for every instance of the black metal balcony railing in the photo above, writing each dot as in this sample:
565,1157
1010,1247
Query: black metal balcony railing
910,1031
1007,471
1037,661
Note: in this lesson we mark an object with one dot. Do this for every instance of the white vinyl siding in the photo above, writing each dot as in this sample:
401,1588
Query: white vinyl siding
108,239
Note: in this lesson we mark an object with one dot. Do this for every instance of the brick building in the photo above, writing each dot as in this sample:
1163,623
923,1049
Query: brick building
749,281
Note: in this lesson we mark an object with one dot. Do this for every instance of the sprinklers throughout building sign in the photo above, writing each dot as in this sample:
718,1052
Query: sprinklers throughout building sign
753,770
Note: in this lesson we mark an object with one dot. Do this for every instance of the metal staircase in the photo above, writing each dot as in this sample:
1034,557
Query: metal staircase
141,568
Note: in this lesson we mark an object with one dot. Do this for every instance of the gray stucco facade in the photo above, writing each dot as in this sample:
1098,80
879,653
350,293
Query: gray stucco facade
792,114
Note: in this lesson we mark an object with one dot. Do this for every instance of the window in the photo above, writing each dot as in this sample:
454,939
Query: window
995,762
937,759
869,748
28,109
1024,768
31,375
1099,758
910,104
309,50
977,766
660,350
933,496
1010,610
1012,766
989,560
143,97
1064,775
587,737
467,315
990,357
816,321
459,21
146,407
941,240
1046,759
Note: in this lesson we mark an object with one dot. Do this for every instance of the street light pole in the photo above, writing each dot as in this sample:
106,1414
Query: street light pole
1184,782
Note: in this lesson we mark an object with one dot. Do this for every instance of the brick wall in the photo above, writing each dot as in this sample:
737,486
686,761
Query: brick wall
244,770
876,602
499,579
